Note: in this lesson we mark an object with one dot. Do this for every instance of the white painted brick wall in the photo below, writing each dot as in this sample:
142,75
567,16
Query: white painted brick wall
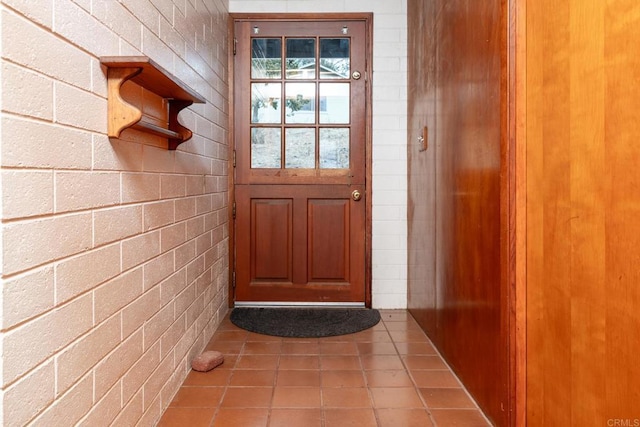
113,253
389,132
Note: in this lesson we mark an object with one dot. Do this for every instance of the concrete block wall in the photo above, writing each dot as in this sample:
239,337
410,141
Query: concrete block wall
389,257
114,253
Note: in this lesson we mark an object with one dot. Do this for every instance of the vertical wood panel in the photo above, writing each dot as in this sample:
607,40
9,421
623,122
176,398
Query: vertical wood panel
329,240
583,242
272,223
622,201
421,165
458,191
588,293
553,273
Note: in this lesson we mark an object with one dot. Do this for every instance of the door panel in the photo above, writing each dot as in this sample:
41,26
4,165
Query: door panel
271,227
304,245
300,121
328,244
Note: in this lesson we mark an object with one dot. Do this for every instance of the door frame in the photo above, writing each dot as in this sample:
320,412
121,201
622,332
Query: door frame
367,75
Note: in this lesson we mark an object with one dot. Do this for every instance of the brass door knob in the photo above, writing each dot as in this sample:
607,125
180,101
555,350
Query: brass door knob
356,195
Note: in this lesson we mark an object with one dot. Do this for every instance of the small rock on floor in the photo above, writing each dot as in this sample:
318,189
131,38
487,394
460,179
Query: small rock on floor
207,361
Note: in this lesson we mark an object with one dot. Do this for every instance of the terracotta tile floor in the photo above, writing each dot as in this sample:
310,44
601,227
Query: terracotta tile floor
389,375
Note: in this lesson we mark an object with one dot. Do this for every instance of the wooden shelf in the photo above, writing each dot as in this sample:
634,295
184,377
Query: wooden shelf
142,71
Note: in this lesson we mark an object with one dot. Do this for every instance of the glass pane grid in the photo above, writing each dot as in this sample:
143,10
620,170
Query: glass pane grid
290,119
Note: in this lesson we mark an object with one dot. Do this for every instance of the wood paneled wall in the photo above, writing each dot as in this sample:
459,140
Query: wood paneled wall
577,202
583,212
458,192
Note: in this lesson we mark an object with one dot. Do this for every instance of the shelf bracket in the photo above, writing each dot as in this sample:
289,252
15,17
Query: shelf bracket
121,114
175,106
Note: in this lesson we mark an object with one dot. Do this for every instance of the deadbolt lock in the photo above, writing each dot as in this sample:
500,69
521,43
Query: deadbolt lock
356,195
356,75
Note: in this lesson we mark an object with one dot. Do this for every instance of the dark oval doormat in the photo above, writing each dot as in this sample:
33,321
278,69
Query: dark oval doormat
304,322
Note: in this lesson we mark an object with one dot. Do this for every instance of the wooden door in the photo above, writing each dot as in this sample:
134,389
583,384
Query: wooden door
300,189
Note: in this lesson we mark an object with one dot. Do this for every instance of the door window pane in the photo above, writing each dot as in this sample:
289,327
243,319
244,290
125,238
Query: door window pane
334,148
334,59
265,148
334,103
266,59
301,102
301,58
265,102
300,148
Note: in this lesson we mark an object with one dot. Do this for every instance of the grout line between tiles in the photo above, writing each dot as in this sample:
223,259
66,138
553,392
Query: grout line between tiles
333,349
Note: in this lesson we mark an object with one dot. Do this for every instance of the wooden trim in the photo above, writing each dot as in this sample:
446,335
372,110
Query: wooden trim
508,204
238,17
518,216
231,173
369,159
368,20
